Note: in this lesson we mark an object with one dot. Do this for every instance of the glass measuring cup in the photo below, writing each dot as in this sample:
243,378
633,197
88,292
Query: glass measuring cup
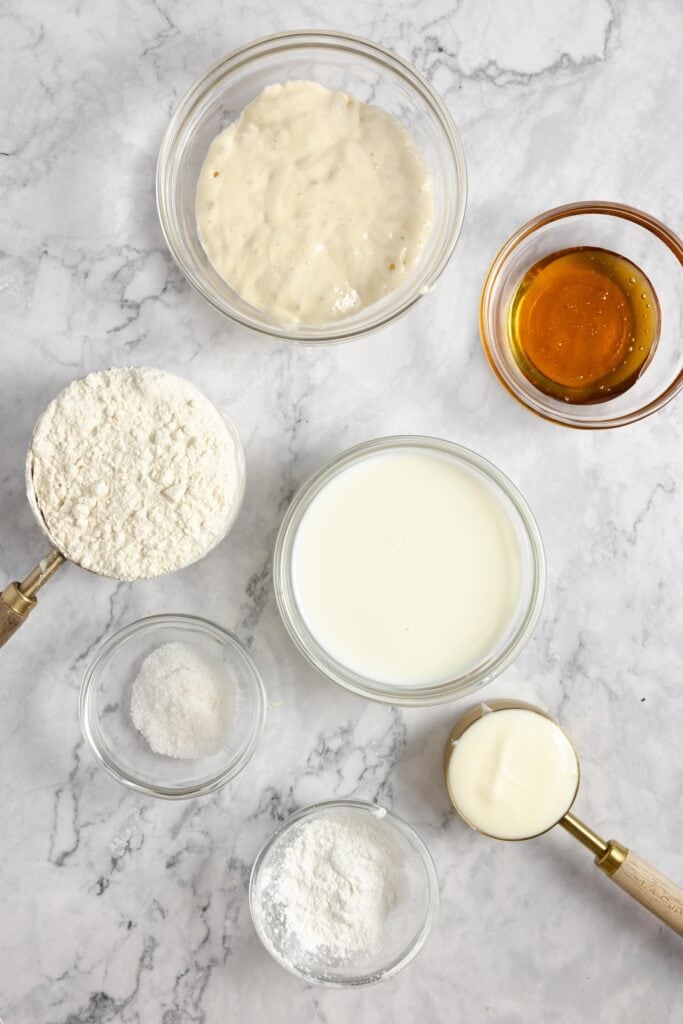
18,598
635,876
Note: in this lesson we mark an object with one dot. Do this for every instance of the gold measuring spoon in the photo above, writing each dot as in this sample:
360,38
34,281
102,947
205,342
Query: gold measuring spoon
18,599
644,883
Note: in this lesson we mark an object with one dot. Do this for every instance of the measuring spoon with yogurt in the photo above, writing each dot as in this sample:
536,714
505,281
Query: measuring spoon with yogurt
513,773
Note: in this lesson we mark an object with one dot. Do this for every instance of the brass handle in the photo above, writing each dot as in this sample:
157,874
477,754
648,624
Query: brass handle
646,884
17,600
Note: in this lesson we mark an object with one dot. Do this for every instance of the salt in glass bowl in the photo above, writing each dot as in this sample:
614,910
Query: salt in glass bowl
505,648
406,928
118,746
338,61
648,243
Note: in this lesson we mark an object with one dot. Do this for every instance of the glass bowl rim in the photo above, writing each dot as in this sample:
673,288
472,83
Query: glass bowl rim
585,207
226,638
409,834
447,690
333,333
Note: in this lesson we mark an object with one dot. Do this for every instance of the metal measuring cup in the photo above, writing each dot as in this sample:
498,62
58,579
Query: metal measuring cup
644,883
18,599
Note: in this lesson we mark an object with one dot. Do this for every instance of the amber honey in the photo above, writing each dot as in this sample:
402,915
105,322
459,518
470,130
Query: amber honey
583,324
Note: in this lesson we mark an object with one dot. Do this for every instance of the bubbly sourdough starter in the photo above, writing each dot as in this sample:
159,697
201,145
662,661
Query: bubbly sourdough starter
313,205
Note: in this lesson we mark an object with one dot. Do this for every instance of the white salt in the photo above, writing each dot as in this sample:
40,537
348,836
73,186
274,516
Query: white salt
181,701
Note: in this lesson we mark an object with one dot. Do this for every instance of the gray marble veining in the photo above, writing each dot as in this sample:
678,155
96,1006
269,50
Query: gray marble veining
118,908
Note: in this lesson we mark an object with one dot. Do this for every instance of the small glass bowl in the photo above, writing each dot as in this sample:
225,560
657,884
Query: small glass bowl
406,929
118,746
508,647
640,238
338,61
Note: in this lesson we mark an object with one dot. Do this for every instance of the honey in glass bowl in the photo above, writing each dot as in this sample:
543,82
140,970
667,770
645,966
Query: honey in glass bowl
583,324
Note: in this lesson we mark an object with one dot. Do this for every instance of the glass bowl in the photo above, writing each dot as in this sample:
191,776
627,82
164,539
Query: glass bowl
508,646
406,928
338,61
640,238
118,746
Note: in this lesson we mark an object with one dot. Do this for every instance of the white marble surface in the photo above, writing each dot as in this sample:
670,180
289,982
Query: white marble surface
118,908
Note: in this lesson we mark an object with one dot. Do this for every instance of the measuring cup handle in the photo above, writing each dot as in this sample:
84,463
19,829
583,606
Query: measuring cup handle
646,884
17,600
10,618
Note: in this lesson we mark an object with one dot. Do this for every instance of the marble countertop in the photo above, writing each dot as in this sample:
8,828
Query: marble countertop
120,908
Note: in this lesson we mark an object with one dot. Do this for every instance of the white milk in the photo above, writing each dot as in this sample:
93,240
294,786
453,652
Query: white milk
406,568
513,774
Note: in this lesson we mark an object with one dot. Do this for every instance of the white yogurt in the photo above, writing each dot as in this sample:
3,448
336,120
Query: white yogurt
406,568
313,205
513,774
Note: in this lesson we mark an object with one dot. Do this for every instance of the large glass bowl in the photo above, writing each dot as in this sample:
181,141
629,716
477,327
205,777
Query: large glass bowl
507,646
357,66
123,752
641,239
406,929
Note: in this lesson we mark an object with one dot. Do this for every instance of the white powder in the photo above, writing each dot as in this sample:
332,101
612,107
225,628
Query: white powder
336,883
181,701
135,472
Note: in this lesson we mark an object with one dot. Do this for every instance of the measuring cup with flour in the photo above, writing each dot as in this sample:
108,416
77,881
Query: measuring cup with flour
132,473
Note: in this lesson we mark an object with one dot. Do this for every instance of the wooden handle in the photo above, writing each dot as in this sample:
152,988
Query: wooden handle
10,620
654,891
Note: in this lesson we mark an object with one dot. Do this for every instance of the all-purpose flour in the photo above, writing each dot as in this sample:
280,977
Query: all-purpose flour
135,472
337,882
